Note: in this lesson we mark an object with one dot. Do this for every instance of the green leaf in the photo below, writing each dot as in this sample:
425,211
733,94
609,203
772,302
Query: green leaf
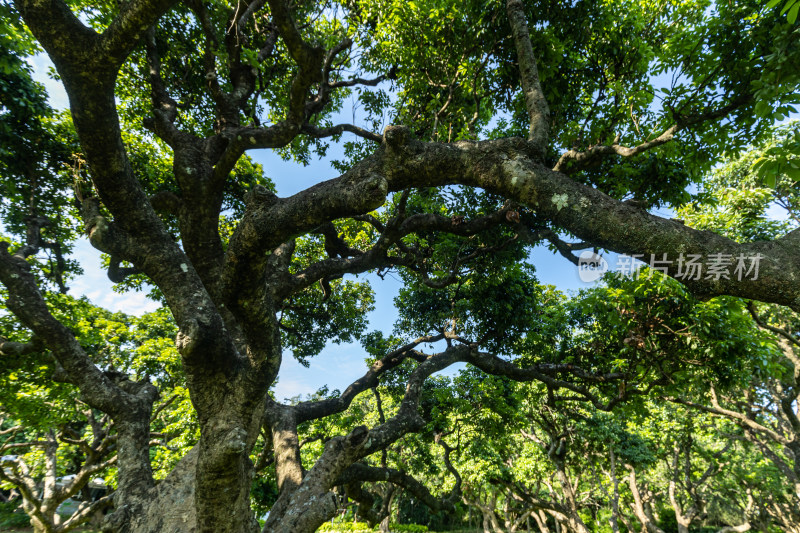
792,16
762,108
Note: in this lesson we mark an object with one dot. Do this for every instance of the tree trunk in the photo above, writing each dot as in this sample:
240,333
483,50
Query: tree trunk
171,505
574,521
386,508
541,521
642,514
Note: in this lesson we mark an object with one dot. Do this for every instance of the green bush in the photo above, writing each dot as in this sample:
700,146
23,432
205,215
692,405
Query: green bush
407,528
12,516
345,527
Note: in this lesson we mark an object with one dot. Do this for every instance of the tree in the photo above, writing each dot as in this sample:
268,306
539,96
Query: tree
765,403
54,446
532,451
470,174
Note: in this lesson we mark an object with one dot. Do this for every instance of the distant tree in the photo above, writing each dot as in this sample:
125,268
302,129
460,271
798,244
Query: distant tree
765,403
54,446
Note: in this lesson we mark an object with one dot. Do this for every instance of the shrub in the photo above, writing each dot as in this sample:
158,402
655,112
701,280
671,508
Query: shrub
346,527
12,516
407,528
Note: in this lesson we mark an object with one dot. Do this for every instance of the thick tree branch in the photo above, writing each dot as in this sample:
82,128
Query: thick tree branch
130,25
165,108
535,101
308,58
298,214
503,167
323,93
642,514
341,452
89,82
27,303
314,410
118,273
594,217
363,472
58,29
11,348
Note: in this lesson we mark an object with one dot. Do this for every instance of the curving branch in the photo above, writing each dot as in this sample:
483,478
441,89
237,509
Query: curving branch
549,373
323,93
740,418
124,33
355,261
751,308
28,304
643,514
165,108
42,496
291,514
89,73
309,59
365,499
504,167
371,82
320,133
11,348
455,493
241,19
363,472
575,160
301,213
58,29
535,102
306,411
340,453
118,273
129,403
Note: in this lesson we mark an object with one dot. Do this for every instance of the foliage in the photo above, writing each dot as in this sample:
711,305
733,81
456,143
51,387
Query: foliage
345,526
12,516
791,8
566,405
361,526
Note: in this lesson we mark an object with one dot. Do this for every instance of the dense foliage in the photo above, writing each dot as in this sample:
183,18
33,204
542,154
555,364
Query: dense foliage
467,134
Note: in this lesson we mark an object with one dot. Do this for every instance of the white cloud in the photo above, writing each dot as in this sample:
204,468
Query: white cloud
95,285
290,388
57,96
337,367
